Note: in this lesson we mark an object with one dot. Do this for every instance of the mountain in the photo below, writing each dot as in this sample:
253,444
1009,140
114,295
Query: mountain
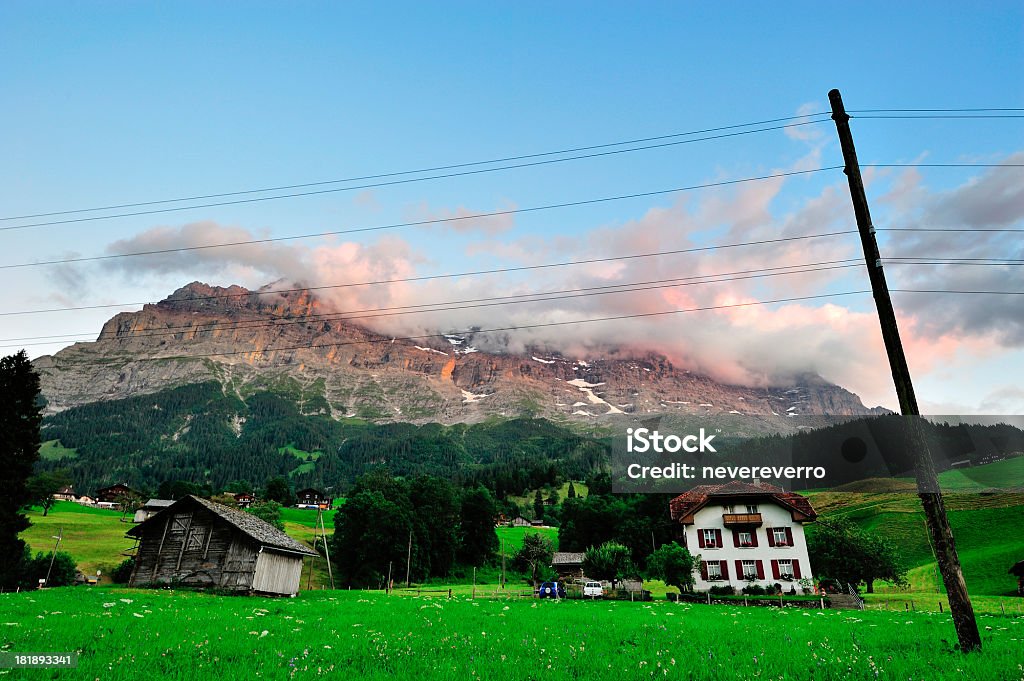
289,344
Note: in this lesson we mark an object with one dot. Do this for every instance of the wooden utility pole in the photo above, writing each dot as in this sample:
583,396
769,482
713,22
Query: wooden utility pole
927,481
408,561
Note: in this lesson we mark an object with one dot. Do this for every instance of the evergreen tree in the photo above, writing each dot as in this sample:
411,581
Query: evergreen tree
20,418
538,505
571,494
479,540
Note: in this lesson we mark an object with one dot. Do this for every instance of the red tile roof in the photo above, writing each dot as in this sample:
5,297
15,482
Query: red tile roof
688,503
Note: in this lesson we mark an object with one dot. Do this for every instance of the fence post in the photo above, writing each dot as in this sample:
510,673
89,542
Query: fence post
940,607
821,602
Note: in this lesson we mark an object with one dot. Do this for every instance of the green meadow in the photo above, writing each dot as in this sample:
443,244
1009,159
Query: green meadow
128,634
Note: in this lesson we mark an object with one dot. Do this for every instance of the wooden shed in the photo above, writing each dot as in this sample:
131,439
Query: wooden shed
199,543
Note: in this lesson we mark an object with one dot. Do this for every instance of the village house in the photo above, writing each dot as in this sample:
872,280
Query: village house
150,509
745,533
244,499
66,493
313,498
519,521
569,566
199,543
115,493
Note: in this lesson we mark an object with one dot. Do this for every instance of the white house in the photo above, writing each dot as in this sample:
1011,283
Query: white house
745,533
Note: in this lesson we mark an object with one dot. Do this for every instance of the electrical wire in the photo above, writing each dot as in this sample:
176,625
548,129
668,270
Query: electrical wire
398,182
430,169
447,306
523,327
418,223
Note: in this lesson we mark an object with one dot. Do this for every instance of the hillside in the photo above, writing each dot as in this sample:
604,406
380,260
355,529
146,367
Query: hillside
199,433
986,527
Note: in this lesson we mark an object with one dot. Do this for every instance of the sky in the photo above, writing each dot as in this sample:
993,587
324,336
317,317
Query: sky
120,103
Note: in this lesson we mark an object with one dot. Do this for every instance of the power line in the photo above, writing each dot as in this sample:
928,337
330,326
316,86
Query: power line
989,293
428,277
986,261
476,216
934,116
429,169
975,110
405,181
949,229
523,327
942,165
447,306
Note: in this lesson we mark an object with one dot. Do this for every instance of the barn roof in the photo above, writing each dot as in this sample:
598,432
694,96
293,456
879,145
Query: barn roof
566,558
263,532
690,502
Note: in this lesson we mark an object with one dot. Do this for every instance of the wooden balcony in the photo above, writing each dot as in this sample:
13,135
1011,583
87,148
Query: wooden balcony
747,519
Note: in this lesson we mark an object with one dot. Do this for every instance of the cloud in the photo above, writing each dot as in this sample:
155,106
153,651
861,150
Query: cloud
753,344
463,220
806,133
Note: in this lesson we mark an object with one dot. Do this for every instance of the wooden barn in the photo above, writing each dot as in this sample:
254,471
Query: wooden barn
198,543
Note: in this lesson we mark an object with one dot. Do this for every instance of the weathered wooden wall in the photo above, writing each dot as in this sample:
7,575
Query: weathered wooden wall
278,573
192,548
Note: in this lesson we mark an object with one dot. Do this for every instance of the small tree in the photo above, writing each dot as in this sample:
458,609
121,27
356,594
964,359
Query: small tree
278,490
43,486
61,568
672,564
535,555
538,505
571,492
609,561
268,511
847,553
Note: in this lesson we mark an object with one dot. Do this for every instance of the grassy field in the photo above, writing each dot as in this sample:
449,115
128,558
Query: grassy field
93,536
123,634
513,536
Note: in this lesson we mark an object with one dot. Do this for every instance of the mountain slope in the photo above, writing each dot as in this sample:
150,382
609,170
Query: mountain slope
287,343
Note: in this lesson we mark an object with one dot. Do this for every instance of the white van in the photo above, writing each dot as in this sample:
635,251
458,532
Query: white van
593,590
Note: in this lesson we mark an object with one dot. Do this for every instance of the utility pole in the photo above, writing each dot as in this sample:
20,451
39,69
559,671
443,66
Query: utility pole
502,563
927,481
408,561
53,556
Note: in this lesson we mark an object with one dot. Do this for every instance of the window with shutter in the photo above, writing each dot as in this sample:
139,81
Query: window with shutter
743,539
712,538
781,536
749,569
785,568
714,570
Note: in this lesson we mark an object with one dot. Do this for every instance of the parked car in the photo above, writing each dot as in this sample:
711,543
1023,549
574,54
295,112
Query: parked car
551,590
593,590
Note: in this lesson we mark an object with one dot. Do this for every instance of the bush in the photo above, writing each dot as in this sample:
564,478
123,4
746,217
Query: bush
754,590
725,590
62,573
123,572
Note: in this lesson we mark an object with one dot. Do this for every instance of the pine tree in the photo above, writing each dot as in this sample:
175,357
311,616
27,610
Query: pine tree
19,449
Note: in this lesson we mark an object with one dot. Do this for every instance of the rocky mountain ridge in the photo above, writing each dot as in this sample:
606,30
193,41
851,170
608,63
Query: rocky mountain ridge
289,343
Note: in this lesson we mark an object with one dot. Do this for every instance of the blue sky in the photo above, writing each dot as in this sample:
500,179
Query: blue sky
109,103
